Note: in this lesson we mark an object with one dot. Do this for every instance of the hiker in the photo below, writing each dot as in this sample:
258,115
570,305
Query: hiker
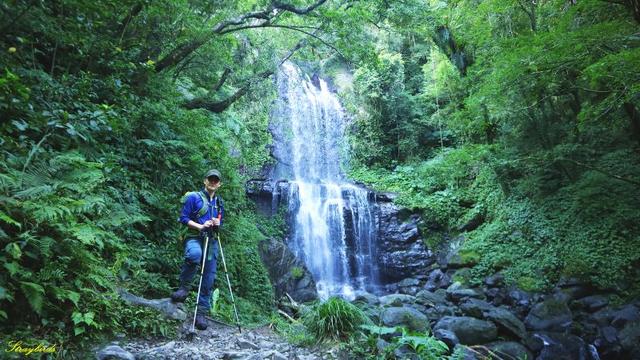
202,214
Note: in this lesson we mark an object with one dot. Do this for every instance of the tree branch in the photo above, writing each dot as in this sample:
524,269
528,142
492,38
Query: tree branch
222,105
617,177
135,10
309,34
222,79
269,13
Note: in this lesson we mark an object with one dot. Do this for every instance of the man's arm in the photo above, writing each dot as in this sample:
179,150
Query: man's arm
188,209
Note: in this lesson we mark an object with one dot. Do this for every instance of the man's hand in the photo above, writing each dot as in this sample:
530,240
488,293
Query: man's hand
210,223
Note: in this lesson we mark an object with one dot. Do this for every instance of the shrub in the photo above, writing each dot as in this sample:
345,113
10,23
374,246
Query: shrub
334,319
296,272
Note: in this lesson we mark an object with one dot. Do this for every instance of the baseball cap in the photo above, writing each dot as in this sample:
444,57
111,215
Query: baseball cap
213,172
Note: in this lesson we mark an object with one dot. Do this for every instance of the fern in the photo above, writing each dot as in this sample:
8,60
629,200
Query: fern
34,294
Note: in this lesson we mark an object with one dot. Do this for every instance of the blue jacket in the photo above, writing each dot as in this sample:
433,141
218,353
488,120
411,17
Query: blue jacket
193,204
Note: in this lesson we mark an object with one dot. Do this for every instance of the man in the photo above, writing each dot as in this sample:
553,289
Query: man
202,214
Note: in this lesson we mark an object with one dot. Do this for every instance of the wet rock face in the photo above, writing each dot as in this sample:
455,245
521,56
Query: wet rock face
288,274
401,250
267,194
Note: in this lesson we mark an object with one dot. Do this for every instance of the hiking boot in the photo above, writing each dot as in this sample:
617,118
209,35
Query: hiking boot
180,295
201,321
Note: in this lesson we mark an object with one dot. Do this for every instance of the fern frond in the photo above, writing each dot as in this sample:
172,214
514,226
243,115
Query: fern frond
33,192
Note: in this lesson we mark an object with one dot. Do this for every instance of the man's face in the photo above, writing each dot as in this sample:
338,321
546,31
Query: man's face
212,183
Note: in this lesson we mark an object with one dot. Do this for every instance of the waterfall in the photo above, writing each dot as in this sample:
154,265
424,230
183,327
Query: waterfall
333,221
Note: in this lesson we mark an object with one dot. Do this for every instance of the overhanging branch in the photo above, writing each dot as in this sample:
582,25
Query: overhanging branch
221,105
266,15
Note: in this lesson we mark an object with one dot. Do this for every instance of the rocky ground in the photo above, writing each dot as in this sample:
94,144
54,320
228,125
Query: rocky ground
219,341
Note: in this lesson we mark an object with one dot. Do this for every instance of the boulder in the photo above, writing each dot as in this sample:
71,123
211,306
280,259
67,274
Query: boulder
386,196
114,352
549,315
496,295
364,297
457,292
440,311
429,298
557,346
409,282
470,331
630,338
409,286
280,262
604,316
405,316
437,279
503,318
475,308
462,275
519,298
396,300
446,336
591,303
405,352
411,259
464,258
507,321
495,280
626,314
506,350
607,343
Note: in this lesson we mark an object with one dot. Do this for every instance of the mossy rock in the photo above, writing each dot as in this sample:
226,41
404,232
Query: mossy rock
528,284
297,272
464,258
462,276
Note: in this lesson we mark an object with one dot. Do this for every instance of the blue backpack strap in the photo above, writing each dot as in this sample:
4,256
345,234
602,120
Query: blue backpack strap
203,208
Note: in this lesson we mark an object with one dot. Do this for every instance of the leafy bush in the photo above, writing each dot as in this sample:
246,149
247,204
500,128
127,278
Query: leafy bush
297,272
333,319
425,345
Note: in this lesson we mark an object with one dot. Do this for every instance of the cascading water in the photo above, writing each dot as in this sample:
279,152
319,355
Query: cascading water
333,221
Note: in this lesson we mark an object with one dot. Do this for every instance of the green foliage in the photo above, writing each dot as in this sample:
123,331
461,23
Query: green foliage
97,150
536,141
295,332
333,319
297,272
424,345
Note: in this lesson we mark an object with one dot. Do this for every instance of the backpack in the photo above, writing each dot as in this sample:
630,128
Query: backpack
188,232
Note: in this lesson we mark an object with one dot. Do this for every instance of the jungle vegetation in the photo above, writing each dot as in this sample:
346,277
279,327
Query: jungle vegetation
513,123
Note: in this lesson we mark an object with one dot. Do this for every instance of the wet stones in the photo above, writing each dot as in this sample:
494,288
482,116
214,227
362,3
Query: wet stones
470,331
551,314
405,316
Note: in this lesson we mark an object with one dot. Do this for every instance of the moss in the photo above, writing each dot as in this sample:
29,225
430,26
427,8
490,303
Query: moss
296,272
463,276
528,284
469,257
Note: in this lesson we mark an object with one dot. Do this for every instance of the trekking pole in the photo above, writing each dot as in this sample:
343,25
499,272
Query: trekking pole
224,265
204,258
